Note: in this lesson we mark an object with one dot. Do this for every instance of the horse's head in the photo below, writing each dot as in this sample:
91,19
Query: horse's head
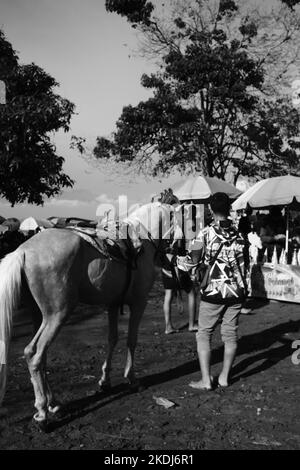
153,222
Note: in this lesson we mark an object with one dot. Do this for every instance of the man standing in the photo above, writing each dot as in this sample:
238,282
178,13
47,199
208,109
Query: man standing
223,292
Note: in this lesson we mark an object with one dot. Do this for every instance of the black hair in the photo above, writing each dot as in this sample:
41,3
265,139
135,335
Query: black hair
220,204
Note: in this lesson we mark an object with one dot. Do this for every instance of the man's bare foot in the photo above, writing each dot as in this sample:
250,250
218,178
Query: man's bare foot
246,311
222,381
200,385
171,330
193,328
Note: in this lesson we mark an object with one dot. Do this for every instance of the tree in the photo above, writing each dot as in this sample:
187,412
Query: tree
273,27
30,168
210,96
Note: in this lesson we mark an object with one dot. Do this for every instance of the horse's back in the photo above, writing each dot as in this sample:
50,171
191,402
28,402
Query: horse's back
59,262
52,267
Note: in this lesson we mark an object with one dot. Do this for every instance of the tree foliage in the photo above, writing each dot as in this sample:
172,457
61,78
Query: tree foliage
211,108
136,11
30,168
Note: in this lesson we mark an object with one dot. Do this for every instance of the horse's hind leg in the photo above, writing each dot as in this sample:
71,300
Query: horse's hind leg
113,311
35,354
52,403
136,313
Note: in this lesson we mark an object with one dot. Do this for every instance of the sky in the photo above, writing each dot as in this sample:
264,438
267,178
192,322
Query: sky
91,54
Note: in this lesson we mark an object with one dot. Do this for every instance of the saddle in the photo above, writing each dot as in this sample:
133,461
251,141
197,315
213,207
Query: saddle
118,241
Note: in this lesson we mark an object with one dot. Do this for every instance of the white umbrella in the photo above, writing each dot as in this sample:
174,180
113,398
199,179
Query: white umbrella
278,191
32,224
201,188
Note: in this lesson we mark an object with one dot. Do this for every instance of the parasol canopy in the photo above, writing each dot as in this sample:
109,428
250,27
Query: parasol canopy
32,224
277,191
201,188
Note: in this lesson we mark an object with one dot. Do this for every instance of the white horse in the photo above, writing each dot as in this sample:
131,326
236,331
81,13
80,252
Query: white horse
59,269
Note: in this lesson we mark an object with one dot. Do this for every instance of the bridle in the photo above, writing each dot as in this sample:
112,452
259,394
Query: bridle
158,247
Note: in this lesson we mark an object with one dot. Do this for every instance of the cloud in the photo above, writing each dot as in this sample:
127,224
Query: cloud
66,202
105,199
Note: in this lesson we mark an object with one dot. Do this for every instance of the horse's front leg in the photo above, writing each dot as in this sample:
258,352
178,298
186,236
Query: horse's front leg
104,381
136,312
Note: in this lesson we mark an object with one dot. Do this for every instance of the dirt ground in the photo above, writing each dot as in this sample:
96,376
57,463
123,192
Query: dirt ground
259,411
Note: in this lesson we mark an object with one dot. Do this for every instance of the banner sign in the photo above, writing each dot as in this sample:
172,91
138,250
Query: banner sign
275,281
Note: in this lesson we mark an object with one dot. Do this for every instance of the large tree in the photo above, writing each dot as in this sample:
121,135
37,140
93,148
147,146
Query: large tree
30,168
213,93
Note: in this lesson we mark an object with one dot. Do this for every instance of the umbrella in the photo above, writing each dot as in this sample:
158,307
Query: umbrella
32,224
278,191
200,189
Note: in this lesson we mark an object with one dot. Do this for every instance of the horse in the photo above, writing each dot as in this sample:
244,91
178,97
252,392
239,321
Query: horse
54,271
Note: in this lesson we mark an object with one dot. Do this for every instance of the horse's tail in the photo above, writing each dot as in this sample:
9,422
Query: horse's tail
10,291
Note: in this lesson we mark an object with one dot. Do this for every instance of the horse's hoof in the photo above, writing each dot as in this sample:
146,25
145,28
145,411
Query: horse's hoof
105,386
40,425
136,387
54,409
57,411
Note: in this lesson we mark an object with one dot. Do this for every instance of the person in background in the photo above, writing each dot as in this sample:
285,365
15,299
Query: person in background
244,228
174,279
223,293
246,225
173,284
294,246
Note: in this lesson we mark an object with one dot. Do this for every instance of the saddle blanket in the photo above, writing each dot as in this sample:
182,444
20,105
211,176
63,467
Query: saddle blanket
116,241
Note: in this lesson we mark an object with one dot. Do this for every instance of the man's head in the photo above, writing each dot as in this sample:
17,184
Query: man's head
220,205
249,210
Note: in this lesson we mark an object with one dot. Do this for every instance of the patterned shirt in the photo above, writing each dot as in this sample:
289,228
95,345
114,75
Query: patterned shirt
226,282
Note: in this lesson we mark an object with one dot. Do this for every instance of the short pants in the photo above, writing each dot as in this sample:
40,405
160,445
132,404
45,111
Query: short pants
210,314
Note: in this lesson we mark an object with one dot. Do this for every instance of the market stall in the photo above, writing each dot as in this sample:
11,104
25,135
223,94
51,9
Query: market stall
275,267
